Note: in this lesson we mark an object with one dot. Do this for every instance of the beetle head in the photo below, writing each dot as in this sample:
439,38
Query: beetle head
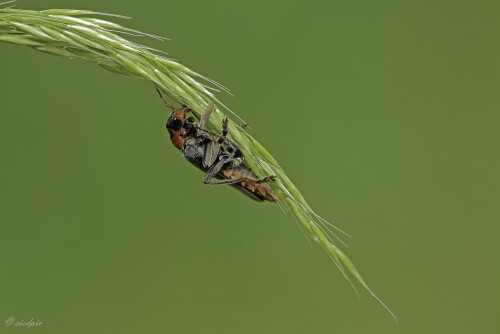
177,118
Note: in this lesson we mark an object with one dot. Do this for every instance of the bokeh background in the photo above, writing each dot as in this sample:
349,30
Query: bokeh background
385,114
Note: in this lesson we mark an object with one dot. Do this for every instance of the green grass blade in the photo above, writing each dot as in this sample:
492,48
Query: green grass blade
72,34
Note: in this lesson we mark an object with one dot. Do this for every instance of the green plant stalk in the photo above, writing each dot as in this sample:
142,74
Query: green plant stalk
72,34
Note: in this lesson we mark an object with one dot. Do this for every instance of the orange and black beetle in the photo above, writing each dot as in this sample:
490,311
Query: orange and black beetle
215,154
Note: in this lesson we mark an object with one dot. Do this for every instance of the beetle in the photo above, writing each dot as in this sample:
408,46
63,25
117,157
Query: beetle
215,154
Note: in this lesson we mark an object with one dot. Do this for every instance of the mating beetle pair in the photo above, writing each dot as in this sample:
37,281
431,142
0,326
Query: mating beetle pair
215,154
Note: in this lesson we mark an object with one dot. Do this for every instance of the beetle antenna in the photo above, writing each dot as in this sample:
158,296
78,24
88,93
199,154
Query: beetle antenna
164,101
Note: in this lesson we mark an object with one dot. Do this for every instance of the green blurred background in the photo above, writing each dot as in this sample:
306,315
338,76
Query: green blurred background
385,114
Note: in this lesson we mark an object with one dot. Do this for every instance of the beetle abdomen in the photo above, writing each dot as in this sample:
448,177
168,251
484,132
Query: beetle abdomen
260,190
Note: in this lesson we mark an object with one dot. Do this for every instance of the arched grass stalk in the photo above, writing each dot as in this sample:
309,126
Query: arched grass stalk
73,34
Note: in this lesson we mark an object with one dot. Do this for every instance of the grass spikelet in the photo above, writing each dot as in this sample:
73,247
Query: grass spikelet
73,34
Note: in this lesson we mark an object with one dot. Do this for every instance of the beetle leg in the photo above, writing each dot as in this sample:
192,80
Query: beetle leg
224,131
266,179
206,115
164,101
228,181
218,136
212,171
